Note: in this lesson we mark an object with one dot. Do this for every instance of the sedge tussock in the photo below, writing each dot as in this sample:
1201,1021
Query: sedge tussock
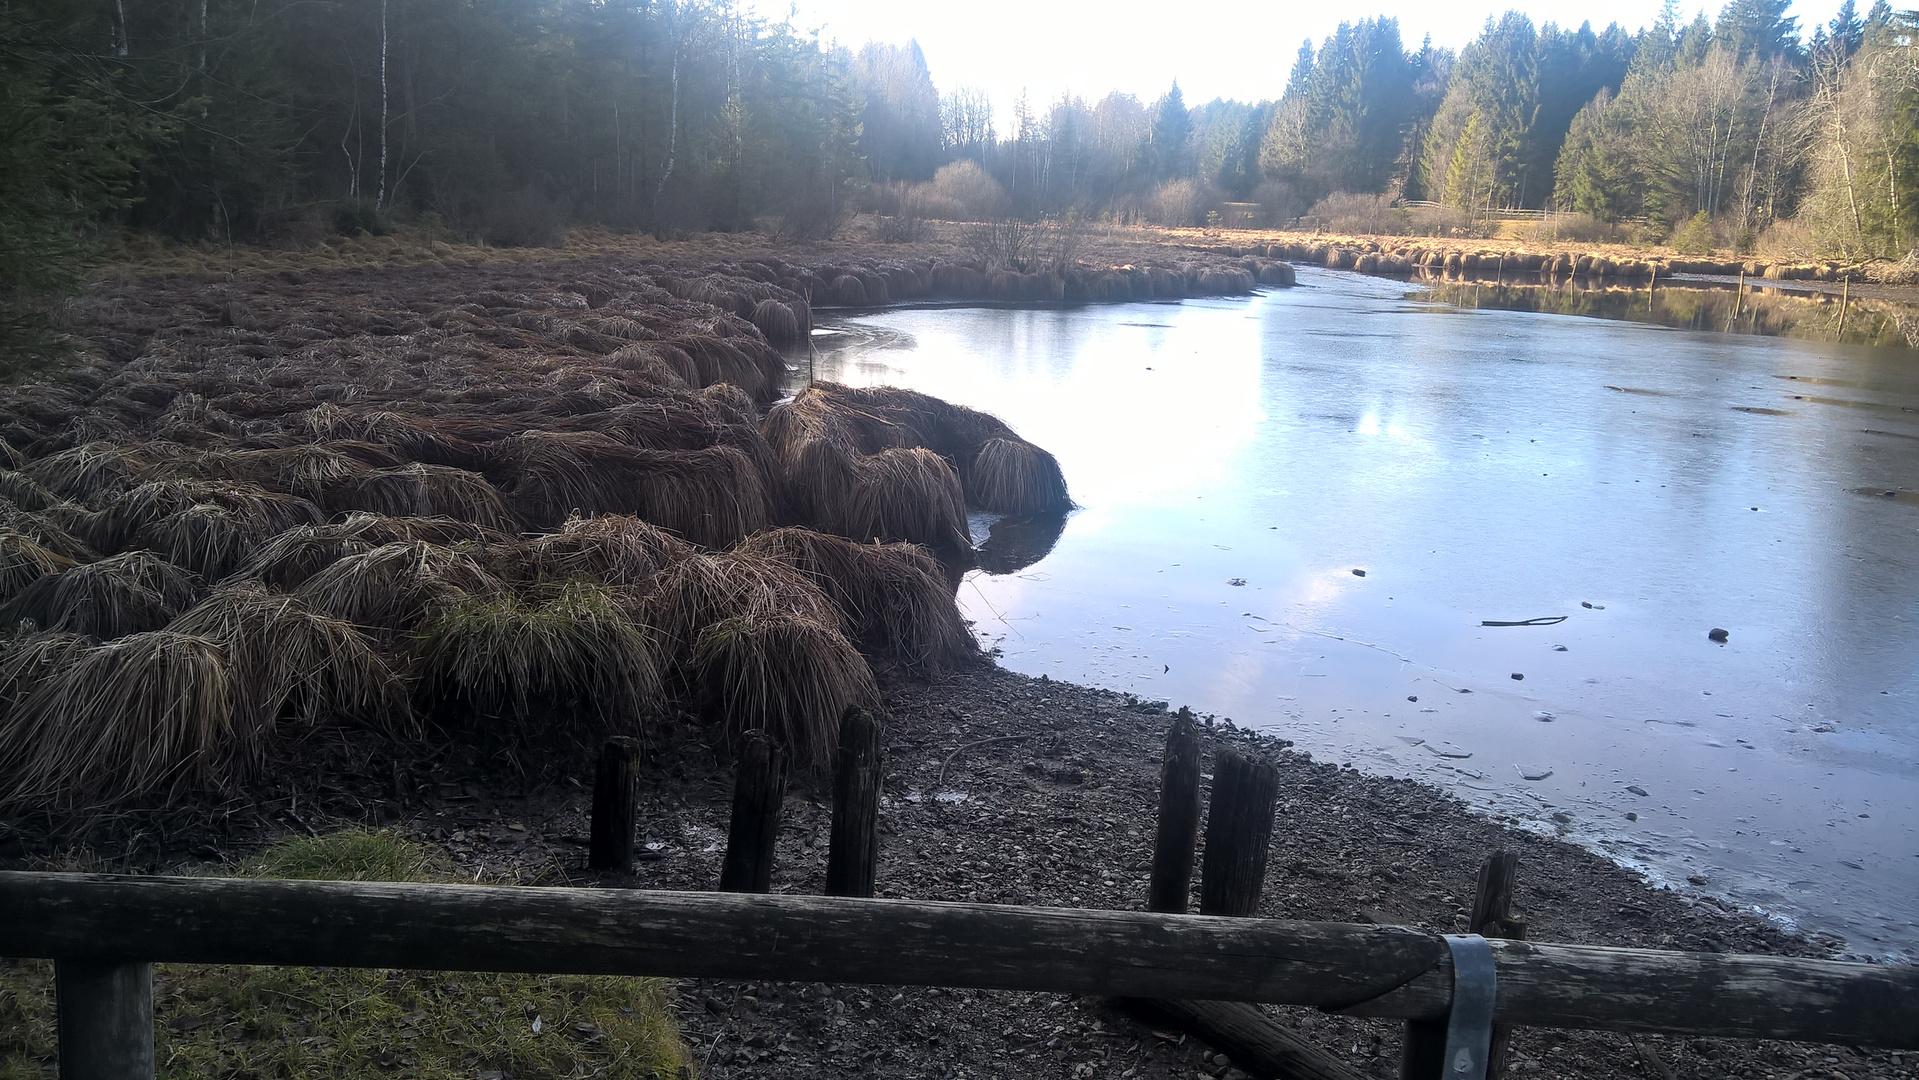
1014,477
315,473
445,531
289,559
418,490
116,596
612,550
711,496
24,561
89,470
784,674
392,587
252,508
508,659
290,663
911,495
701,590
44,531
893,599
25,492
151,712
206,539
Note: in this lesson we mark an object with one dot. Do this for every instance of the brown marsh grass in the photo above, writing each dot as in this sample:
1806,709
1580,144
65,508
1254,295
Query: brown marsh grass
528,498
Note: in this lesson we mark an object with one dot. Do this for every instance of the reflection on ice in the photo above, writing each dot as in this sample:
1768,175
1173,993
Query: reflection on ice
1235,461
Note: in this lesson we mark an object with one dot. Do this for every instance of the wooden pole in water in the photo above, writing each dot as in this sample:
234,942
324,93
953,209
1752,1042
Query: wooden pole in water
1845,285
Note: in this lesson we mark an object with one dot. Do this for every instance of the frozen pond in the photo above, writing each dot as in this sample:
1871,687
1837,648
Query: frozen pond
1237,461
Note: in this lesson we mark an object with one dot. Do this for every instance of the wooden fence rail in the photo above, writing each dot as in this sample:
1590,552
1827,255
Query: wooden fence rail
97,921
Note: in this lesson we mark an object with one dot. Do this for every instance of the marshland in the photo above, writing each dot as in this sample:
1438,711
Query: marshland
1507,442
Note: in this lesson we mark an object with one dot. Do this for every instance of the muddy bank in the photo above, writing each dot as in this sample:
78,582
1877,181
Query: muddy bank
1047,797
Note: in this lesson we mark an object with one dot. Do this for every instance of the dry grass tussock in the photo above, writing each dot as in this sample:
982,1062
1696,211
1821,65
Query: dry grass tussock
291,664
782,673
123,594
392,588
149,712
292,501
540,664
889,464
894,600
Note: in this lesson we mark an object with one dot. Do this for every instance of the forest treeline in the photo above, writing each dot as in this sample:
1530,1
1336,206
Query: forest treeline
505,121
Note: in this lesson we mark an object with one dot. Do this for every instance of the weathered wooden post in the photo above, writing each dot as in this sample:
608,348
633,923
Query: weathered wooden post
853,856
1493,917
1239,829
616,799
759,790
1238,832
1178,832
105,1018
1423,1057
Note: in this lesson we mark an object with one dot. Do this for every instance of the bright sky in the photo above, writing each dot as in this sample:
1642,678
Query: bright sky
1215,48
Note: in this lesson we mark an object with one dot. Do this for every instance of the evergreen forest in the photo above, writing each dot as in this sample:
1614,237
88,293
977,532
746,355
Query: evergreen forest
507,121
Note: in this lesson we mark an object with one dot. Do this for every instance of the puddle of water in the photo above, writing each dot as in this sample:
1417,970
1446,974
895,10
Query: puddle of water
1241,461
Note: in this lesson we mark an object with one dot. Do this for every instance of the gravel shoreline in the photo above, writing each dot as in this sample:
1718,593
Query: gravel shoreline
1048,797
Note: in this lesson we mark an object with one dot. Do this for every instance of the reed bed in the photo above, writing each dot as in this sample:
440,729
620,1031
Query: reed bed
468,500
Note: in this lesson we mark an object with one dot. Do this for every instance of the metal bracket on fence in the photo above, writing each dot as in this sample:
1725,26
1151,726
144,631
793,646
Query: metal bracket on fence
1469,1027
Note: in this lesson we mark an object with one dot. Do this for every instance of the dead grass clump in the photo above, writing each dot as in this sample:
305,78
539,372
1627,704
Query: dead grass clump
393,587
206,539
125,594
711,496
289,559
418,490
538,662
254,509
24,492
783,674
90,470
614,549
149,712
911,495
893,599
779,321
724,360
651,364
701,590
47,533
1012,476
315,473
290,663
445,531
24,561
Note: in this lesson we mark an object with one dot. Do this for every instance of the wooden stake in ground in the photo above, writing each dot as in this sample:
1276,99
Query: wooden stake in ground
105,1018
616,803
1244,793
1178,833
1424,1054
853,857
1239,829
759,789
